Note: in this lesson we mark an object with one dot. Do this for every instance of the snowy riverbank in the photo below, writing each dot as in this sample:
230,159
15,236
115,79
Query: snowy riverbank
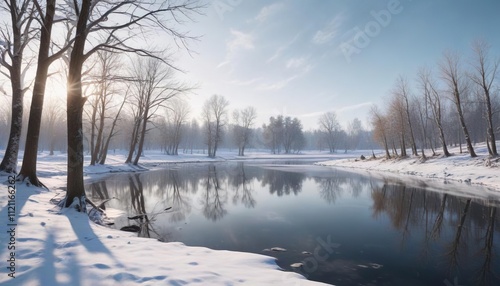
47,246
482,170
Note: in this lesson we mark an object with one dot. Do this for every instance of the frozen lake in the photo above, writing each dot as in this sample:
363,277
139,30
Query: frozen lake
336,226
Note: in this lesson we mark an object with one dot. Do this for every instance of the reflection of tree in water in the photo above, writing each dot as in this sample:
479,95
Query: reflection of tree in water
484,273
338,183
283,183
378,195
138,205
468,226
214,196
139,214
176,190
457,244
170,188
241,184
438,222
330,188
98,191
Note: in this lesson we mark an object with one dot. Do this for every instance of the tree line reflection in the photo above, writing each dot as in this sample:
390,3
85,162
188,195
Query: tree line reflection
463,228
460,226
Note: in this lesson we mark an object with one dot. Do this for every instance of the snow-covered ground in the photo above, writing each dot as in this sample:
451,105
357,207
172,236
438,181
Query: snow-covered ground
482,170
44,245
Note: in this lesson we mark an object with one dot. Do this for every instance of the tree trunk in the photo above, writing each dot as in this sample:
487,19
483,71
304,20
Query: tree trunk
52,145
466,134
386,147
403,145
490,129
93,157
431,144
28,168
99,141
75,192
488,146
133,140
437,119
75,186
216,141
394,150
143,135
458,105
9,161
412,137
104,151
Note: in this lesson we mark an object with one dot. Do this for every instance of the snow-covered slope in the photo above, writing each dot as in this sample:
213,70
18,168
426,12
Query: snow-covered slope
482,170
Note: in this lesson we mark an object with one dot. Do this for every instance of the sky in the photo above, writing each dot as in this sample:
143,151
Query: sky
304,58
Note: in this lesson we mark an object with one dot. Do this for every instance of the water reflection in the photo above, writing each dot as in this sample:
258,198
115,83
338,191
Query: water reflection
214,196
336,184
242,186
177,192
439,235
283,183
464,227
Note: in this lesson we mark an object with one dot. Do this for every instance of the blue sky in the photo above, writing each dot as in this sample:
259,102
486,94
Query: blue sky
303,58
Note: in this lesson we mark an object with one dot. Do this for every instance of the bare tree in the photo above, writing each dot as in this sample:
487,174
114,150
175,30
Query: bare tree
75,193
104,81
421,106
398,122
433,96
354,132
14,38
193,137
153,87
44,60
177,116
243,122
457,89
112,132
215,116
484,76
108,19
330,126
52,115
402,91
380,127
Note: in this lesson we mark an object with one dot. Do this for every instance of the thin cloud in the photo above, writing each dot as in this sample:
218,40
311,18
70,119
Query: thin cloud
312,114
224,63
354,107
344,109
268,11
296,63
330,31
278,85
283,48
277,54
239,41
244,82
283,83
